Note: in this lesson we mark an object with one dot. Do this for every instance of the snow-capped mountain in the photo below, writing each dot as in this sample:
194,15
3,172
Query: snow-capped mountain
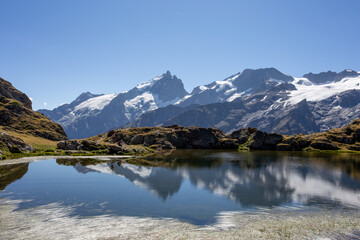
245,83
92,114
268,100
262,98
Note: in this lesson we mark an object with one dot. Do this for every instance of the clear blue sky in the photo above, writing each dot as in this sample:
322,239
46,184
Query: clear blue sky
53,50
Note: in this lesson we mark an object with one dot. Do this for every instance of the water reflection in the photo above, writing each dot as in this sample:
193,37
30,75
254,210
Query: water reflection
11,173
250,179
193,186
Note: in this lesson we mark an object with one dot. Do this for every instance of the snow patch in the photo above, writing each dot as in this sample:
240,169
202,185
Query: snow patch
203,88
96,103
183,99
139,105
237,95
316,93
150,83
228,92
233,77
220,85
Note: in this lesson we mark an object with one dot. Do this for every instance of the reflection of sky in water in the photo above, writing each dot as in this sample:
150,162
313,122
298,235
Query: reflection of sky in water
194,192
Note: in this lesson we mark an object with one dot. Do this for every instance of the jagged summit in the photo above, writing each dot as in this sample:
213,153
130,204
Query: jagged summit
92,114
329,76
264,98
237,85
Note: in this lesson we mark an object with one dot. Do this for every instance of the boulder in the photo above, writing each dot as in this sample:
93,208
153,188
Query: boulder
114,149
322,145
265,141
149,139
137,139
227,143
69,145
166,145
90,146
14,144
295,143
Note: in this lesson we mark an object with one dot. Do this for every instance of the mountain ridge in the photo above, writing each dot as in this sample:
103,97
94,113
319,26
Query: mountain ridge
106,111
264,91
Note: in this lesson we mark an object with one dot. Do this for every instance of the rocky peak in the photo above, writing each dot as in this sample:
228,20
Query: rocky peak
166,86
83,97
7,90
251,78
346,73
330,76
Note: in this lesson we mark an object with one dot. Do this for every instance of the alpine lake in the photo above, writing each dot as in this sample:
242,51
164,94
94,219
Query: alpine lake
183,194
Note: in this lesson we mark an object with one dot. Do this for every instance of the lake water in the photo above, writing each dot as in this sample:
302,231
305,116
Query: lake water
194,186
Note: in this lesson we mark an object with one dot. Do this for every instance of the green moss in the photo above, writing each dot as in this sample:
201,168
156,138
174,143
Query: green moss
243,148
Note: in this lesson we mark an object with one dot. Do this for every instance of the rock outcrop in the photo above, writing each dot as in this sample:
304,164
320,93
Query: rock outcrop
16,115
12,144
8,91
124,140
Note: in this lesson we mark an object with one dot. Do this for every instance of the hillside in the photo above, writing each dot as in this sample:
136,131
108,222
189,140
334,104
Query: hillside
160,138
20,126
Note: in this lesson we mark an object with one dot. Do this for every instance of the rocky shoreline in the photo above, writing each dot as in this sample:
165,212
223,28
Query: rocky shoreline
148,139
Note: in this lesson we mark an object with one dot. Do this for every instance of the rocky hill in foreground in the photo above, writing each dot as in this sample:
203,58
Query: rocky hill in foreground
20,126
119,141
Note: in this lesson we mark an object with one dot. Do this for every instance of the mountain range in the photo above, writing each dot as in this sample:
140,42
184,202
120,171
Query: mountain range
263,98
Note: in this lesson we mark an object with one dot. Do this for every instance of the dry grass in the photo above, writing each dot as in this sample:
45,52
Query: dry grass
24,120
34,141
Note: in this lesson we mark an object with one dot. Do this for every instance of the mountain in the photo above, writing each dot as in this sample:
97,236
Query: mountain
92,114
244,83
20,126
272,102
263,98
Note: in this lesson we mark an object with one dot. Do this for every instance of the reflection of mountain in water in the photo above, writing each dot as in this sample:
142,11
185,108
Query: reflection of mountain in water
251,180
163,182
11,173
